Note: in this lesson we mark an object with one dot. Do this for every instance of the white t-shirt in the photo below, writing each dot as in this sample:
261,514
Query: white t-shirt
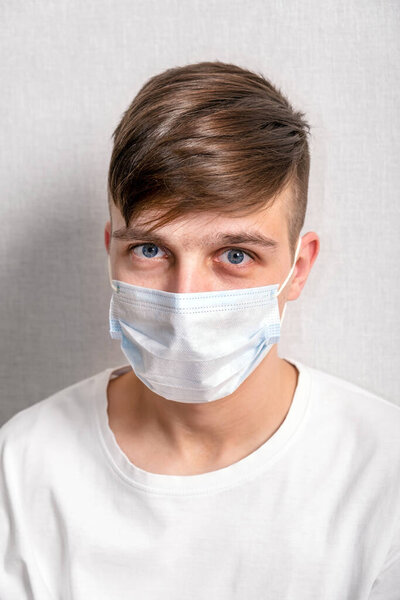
312,514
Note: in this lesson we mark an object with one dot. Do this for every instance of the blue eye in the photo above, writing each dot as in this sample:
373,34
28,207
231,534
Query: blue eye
147,250
236,256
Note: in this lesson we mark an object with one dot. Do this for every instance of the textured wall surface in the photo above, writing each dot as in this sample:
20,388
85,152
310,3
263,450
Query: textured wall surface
69,69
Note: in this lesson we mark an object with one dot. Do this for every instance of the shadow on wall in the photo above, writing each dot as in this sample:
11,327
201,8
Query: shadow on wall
56,306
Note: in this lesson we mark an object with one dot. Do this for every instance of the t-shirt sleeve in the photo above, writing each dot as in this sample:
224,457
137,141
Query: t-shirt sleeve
387,585
19,577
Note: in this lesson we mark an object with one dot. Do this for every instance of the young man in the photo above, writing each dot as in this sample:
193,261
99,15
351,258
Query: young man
206,466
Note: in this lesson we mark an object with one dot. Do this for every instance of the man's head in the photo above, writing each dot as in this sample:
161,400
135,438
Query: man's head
205,150
207,193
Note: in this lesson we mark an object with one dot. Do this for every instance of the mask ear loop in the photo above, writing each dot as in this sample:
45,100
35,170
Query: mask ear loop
114,287
289,276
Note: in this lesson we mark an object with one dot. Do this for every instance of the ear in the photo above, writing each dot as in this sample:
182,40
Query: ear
309,251
107,236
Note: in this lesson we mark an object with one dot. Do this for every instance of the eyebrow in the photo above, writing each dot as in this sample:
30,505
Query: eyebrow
239,237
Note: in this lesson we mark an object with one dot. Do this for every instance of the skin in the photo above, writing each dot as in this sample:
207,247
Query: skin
177,438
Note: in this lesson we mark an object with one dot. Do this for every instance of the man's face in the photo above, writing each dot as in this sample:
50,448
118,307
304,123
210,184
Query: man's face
203,252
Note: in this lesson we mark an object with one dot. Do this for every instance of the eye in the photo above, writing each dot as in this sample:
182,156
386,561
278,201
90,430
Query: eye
147,251
235,256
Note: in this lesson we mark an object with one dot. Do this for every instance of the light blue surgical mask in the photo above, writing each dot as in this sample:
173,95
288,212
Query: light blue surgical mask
195,347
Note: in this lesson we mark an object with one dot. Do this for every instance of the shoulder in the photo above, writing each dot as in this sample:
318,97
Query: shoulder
353,414
348,396
59,415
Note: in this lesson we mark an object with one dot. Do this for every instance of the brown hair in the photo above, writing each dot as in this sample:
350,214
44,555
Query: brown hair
209,136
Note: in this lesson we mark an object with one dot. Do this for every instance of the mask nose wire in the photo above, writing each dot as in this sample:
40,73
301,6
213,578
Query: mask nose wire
114,287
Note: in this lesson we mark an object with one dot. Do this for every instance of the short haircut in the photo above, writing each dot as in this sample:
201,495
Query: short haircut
209,136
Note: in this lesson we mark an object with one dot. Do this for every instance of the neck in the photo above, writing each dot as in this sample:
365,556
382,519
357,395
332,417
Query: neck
213,433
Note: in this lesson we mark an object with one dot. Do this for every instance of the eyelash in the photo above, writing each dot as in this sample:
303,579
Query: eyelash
133,246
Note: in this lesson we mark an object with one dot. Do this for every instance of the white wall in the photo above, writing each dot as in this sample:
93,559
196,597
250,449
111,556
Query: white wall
69,69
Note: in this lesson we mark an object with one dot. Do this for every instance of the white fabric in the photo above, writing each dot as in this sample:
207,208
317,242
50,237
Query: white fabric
166,337
311,514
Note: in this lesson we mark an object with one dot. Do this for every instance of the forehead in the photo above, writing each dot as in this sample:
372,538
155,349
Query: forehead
271,220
